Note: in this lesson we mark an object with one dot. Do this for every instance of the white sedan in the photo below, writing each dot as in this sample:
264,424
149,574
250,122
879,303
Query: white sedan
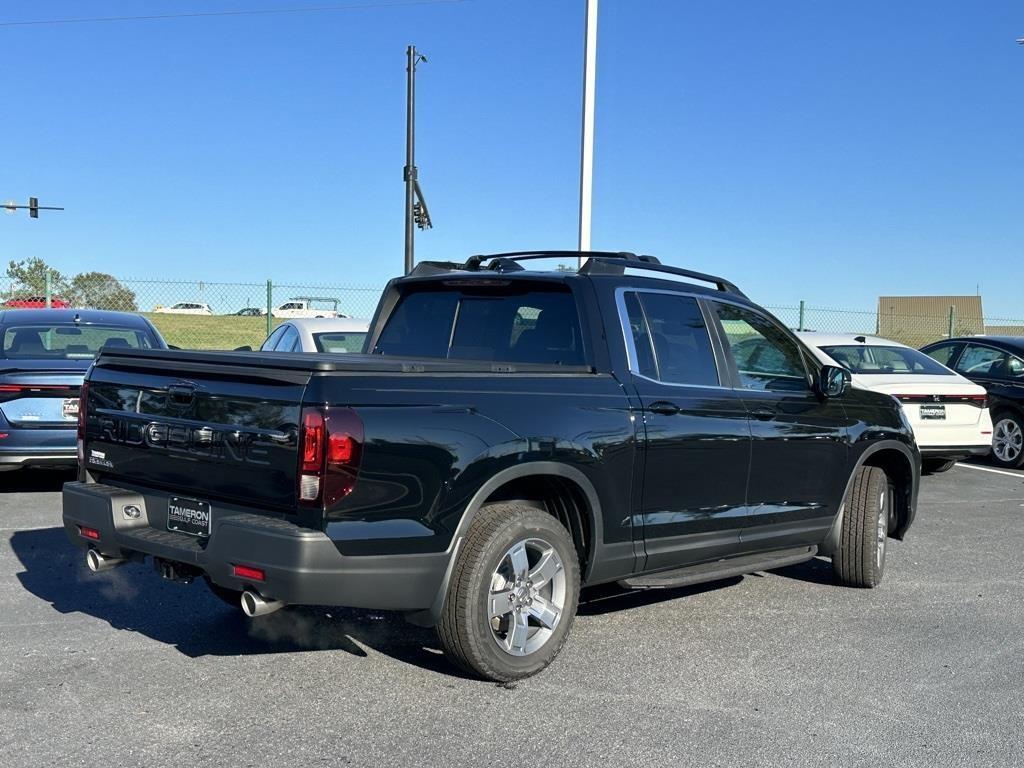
185,308
949,414
328,334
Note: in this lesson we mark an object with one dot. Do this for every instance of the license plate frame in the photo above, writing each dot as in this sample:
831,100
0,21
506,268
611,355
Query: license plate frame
933,412
191,516
69,408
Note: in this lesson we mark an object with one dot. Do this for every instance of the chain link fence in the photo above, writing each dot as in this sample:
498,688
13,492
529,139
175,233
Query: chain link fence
202,315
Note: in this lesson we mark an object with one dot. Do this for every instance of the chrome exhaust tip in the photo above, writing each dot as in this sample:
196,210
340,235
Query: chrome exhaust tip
97,562
254,604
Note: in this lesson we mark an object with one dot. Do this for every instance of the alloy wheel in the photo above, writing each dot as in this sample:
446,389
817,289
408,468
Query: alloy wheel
1007,440
527,597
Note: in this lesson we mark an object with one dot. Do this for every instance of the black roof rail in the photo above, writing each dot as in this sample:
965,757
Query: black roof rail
605,265
476,262
597,263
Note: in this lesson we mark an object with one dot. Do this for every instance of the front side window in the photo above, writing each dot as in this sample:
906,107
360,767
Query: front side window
670,339
68,341
987,361
981,361
503,324
864,359
766,357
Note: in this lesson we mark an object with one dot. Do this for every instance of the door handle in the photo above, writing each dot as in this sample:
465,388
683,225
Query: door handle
763,413
664,407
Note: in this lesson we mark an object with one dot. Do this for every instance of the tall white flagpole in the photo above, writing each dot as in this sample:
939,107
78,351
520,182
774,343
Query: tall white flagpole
587,143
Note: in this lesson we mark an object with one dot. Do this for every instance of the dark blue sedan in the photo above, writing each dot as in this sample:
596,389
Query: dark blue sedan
44,354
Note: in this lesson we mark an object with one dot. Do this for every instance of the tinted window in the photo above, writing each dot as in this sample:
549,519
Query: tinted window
766,357
339,342
861,358
943,353
528,326
68,341
671,339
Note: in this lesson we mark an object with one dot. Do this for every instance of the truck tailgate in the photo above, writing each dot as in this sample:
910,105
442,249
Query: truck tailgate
225,432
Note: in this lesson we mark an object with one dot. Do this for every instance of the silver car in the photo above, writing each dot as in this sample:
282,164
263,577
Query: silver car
327,334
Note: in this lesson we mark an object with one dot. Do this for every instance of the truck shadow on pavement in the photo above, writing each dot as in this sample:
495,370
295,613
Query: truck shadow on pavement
35,480
190,618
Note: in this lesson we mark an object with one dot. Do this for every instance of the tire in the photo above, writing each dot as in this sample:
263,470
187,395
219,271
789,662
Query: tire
232,597
936,466
859,560
1008,440
492,577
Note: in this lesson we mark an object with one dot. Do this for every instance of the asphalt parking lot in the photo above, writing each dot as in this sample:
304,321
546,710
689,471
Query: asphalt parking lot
775,669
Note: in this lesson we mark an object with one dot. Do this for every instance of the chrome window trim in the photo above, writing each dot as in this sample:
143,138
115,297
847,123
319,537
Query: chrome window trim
633,360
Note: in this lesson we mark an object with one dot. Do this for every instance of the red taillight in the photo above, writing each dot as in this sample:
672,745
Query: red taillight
89,533
330,449
248,572
979,400
312,441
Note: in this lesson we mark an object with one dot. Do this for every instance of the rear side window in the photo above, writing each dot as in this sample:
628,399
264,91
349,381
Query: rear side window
944,353
69,342
523,326
865,359
671,339
986,361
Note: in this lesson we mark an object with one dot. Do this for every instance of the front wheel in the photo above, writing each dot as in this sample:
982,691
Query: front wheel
513,594
859,561
1008,441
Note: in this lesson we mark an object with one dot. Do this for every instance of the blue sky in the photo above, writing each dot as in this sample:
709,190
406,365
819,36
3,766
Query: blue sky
807,150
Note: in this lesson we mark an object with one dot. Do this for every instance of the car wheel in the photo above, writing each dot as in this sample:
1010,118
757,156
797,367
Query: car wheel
1008,441
859,561
232,597
513,594
936,466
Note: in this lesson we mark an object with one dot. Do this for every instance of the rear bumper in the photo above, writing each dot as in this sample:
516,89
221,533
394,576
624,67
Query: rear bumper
954,452
302,566
17,458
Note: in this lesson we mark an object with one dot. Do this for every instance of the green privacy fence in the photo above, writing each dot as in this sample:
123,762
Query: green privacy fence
230,315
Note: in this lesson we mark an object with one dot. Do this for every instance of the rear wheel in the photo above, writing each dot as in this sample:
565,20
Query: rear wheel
513,594
859,561
936,466
1008,441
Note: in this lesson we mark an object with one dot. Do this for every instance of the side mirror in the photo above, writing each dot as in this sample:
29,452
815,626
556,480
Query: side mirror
246,348
834,381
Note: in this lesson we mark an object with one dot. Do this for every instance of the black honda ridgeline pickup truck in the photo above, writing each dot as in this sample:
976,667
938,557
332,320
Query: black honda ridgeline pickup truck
508,436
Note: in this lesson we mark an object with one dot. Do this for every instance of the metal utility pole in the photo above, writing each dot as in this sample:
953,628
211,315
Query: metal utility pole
33,207
587,137
416,213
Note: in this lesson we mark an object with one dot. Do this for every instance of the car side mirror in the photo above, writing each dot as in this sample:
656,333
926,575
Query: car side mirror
246,348
834,381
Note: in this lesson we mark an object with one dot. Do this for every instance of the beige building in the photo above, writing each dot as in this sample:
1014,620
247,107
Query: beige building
918,320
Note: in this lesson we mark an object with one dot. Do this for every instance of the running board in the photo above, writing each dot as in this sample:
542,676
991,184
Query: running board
720,569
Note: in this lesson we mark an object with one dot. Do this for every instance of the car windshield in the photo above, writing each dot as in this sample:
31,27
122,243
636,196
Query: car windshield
336,341
867,360
67,342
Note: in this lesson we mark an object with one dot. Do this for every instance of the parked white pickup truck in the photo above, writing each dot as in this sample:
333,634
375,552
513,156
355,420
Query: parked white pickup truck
307,306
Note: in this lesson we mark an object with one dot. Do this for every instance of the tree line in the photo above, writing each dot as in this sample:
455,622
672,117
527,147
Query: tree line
90,290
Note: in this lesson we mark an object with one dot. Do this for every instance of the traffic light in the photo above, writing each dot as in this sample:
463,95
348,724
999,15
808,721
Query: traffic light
33,207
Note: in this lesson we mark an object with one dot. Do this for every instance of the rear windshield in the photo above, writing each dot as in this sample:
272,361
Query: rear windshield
863,359
509,324
339,342
67,342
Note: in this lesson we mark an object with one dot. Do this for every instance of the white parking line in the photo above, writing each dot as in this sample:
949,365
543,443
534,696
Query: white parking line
989,469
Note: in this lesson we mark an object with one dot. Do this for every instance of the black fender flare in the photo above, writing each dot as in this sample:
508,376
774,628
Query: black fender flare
430,616
831,542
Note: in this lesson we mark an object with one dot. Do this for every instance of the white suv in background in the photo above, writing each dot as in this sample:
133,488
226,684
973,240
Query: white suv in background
949,414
